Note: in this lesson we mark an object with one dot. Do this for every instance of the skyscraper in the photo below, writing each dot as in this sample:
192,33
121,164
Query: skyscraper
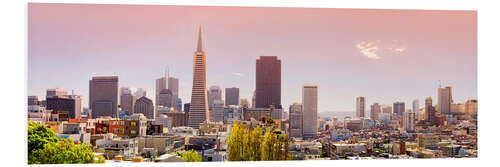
145,106
214,93
444,100
374,111
268,82
360,107
232,96
127,102
398,108
295,118
429,110
165,98
416,106
161,83
198,111
310,112
103,96
173,86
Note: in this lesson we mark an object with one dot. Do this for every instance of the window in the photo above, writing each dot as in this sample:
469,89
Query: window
132,123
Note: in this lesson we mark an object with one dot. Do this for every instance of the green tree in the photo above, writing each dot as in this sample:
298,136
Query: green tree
64,152
191,156
235,143
38,137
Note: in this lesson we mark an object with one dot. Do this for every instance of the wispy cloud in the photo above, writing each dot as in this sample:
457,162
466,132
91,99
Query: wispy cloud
378,49
368,49
237,74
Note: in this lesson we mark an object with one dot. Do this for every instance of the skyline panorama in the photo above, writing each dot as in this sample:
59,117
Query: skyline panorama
373,55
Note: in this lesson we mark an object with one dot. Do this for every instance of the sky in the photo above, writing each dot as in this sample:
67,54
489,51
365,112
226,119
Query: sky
383,55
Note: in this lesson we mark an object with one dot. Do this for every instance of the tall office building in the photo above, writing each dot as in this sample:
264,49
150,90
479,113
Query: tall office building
429,110
161,84
295,118
416,106
268,82
360,107
444,100
103,96
56,92
127,102
232,96
398,108
374,111
165,98
173,86
145,106
72,104
310,109
217,112
214,93
198,111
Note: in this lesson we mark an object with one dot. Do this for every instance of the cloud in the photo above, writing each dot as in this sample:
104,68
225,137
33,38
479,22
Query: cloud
378,48
367,49
237,74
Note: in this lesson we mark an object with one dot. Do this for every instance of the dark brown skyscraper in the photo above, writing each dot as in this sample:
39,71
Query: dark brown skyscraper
103,96
268,82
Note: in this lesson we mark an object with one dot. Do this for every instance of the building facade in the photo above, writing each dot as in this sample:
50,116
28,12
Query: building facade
295,118
232,96
145,106
444,100
103,96
310,109
268,82
360,106
198,111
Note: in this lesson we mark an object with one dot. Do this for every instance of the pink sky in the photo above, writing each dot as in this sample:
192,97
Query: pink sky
385,55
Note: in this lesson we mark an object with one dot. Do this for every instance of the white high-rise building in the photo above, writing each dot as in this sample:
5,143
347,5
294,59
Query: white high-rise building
360,106
444,100
198,111
310,110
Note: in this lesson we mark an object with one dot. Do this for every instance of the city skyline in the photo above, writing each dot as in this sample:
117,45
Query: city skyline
340,78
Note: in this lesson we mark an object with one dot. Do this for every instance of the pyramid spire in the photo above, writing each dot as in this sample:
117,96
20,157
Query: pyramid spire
200,45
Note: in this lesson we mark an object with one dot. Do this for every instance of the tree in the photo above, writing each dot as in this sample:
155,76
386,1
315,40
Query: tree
64,152
38,137
250,145
191,156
